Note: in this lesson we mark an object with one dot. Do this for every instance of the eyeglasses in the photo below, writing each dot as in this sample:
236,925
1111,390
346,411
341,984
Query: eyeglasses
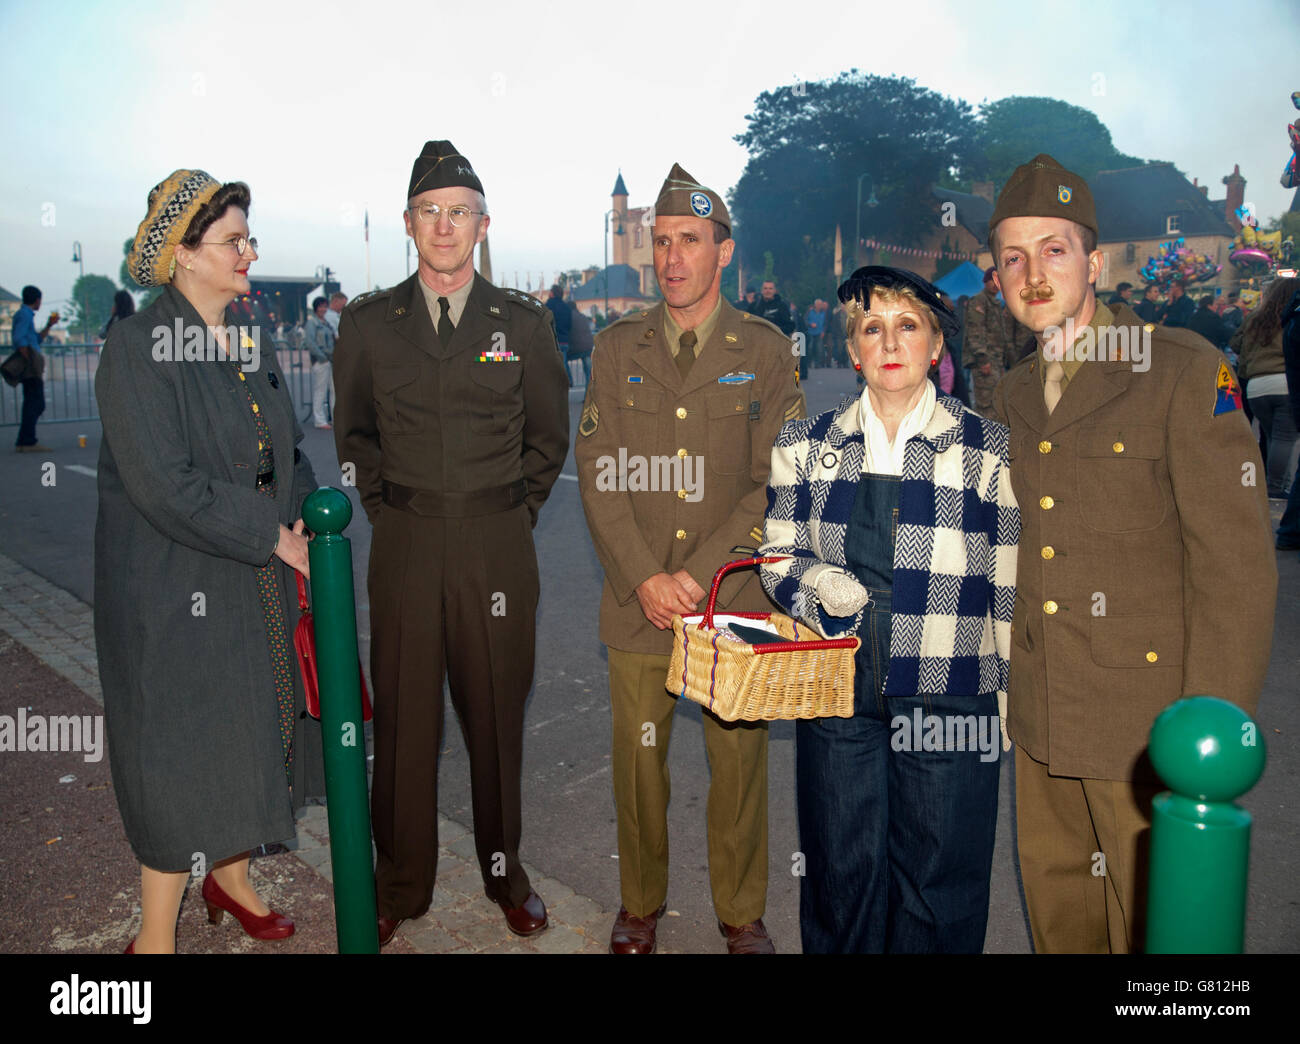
429,213
240,243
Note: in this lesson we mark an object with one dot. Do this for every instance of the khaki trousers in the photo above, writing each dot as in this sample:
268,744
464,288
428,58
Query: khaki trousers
737,807
1083,859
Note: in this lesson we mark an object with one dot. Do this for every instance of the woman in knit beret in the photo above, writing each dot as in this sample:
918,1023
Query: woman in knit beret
200,501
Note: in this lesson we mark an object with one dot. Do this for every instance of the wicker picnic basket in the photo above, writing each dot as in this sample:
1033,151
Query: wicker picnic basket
806,677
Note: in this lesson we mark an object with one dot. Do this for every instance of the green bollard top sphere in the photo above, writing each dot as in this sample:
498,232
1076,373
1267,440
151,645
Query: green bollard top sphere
1207,748
327,510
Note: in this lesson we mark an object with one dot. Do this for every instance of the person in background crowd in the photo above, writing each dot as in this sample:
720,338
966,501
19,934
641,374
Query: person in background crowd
27,340
988,344
338,300
201,487
319,338
1288,532
751,300
1132,500
580,341
123,308
562,317
1261,367
1178,311
1148,309
1206,322
886,506
950,375
1232,315
1123,295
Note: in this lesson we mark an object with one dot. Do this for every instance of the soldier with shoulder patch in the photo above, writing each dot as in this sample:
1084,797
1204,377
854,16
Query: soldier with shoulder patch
1140,487
675,443
453,411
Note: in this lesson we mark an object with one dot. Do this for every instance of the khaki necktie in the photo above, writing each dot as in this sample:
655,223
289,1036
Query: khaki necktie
686,352
1052,378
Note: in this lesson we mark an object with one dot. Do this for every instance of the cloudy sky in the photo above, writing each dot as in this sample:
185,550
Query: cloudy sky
322,112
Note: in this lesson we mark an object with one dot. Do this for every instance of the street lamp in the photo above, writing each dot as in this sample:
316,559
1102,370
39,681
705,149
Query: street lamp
618,231
857,238
85,308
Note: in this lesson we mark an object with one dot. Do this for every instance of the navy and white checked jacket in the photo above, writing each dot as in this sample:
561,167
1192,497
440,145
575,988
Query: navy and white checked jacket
954,551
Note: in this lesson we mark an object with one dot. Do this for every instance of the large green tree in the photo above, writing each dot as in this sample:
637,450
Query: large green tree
808,146
93,295
1016,129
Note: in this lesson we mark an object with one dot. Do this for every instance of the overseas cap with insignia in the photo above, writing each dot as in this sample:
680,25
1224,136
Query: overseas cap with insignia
1043,188
683,196
438,166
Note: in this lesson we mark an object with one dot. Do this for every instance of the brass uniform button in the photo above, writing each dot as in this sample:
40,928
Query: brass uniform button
1118,447
1044,447
739,408
681,534
1048,552
630,402
681,412
682,452
681,494
1152,657
1148,327
1050,607
1046,503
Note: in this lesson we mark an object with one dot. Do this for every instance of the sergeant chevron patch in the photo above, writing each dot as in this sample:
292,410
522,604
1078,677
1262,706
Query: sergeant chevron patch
590,420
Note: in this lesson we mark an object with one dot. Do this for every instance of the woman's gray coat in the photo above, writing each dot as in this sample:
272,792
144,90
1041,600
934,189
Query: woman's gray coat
189,698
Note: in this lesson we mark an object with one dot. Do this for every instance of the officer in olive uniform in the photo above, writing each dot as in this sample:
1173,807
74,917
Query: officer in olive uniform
697,391
453,410
991,344
1146,569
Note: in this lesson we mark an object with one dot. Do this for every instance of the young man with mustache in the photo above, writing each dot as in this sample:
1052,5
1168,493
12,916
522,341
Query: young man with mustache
1140,488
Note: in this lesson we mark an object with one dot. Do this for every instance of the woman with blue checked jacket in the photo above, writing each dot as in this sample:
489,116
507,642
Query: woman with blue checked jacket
897,513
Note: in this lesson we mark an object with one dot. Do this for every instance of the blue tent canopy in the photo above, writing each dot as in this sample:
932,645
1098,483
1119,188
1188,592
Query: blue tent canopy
966,278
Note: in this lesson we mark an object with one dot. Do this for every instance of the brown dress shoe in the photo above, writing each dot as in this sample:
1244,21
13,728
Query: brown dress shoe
387,928
528,919
748,938
634,934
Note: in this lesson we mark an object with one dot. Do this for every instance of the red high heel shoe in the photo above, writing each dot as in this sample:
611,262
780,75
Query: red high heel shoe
270,926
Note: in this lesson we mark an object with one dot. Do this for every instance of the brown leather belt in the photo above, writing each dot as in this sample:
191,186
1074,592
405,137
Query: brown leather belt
469,504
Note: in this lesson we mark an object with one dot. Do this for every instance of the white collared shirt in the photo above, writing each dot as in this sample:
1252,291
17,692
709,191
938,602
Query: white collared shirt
880,456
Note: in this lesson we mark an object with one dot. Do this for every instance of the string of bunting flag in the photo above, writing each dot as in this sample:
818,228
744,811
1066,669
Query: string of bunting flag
894,248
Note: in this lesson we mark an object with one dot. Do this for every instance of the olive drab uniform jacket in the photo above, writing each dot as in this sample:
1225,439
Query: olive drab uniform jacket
674,472
1146,565
489,409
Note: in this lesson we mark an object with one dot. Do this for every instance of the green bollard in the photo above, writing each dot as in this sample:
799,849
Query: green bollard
1208,752
327,512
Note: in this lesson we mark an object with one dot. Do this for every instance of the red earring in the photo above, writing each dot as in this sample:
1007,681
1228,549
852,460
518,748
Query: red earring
934,362
858,367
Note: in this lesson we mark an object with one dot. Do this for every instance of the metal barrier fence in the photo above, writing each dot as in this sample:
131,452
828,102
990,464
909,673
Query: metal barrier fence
70,385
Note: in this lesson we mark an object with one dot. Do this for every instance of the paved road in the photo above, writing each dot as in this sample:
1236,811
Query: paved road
569,829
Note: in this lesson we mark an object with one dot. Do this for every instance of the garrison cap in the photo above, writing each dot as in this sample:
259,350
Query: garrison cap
438,166
683,196
1043,188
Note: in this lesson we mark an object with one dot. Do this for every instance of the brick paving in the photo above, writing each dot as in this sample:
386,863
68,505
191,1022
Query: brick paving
56,670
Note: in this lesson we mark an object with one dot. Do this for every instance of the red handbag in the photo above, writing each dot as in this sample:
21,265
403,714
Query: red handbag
304,644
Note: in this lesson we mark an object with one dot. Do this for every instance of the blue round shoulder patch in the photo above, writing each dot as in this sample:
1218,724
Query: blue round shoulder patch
701,204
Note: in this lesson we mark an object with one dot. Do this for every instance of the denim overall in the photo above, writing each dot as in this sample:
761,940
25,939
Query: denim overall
898,844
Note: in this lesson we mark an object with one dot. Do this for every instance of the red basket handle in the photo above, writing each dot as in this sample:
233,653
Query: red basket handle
302,593
717,579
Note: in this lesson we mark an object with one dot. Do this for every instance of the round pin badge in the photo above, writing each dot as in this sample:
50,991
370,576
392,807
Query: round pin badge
829,460
701,204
